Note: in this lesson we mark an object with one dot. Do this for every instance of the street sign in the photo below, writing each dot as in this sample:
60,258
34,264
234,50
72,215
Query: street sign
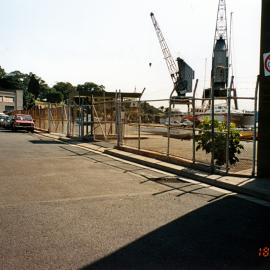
266,64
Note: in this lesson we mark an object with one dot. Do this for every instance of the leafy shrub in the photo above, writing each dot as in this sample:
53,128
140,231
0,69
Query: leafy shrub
204,140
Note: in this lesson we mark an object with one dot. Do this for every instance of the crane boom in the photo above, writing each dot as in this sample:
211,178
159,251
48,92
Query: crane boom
173,70
182,74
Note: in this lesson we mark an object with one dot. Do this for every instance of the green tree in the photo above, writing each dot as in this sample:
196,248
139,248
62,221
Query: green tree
28,100
14,80
204,140
90,88
65,88
2,72
33,86
149,112
38,87
54,96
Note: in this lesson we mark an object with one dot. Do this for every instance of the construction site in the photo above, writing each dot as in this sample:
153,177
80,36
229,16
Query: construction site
169,129
132,157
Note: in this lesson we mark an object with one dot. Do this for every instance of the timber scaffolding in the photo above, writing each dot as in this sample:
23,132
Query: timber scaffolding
99,119
84,97
85,115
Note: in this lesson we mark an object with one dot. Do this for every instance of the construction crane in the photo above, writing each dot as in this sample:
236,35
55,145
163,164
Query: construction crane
220,57
182,74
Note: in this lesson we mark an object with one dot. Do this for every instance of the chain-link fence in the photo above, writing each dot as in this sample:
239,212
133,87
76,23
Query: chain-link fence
217,136
177,130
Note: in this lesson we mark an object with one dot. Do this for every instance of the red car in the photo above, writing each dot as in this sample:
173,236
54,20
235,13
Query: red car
22,122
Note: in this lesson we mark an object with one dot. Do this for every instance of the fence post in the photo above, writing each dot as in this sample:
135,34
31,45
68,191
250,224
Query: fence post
87,120
92,119
118,123
140,121
169,123
39,117
62,118
255,127
169,127
120,120
82,121
49,117
193,128
116,119
68,119
105,113
139,124
117,128
212,128
229,92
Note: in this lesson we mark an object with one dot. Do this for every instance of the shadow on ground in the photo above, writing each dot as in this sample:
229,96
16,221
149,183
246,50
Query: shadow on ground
44,142
12,131
225,234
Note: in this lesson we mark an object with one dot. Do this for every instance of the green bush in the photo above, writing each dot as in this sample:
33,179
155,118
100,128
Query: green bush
204,140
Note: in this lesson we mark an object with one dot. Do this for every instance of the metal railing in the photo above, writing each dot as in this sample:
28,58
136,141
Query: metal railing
166,127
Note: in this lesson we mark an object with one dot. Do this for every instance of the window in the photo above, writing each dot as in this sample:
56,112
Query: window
9,108
8,99
1,99
24,117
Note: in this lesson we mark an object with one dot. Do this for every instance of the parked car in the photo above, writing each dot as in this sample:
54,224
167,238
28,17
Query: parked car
7,122
2,119
186,123
22,122
173,123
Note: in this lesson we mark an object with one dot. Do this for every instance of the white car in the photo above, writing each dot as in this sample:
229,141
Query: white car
186,123
2,119
173,123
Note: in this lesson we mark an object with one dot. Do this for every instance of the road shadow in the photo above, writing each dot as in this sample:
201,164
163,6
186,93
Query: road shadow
44,142
174,183
225,234
12,131
260,185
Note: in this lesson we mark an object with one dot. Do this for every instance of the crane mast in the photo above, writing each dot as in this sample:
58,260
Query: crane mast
220,59
221,22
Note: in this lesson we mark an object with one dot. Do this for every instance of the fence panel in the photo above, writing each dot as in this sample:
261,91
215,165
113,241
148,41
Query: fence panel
130,117
163,127
181,130
153,126
104,117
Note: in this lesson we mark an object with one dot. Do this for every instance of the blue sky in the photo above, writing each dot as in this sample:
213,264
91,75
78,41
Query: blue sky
111,42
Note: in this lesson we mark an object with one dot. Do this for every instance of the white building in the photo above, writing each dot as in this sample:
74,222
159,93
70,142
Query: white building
11,99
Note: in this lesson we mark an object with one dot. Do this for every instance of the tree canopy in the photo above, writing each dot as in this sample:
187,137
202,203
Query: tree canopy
54,96
13,80
2,72
90,87
35,88
65,88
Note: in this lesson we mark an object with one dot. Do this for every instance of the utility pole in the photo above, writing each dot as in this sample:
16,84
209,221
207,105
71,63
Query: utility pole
263,163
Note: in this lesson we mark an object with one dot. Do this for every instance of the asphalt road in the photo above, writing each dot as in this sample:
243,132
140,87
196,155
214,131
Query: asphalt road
64,207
